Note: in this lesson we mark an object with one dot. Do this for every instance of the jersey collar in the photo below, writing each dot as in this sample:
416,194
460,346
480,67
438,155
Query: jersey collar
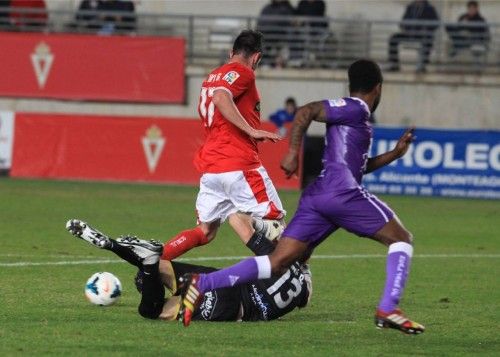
363,103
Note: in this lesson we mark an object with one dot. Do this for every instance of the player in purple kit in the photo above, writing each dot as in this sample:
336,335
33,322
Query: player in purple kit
334,200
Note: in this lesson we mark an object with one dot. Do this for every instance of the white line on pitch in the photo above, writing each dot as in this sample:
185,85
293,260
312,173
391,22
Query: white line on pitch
354,256
70,262
209,259
20,255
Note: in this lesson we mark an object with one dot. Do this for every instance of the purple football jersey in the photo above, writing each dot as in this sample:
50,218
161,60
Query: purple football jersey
347,144
336,198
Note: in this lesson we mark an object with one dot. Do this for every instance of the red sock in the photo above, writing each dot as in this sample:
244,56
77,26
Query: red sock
183,242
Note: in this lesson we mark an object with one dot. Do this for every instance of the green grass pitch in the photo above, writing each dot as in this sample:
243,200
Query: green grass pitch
453,289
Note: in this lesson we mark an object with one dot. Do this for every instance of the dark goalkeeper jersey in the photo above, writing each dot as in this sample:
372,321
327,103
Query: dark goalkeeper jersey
272,298
261,300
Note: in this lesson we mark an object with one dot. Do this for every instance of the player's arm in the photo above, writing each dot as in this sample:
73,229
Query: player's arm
399,150
303,118
167,275
223,101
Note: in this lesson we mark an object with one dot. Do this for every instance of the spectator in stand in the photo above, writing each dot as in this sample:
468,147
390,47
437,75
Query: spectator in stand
313,8
28,14
106,16
411,32
472,29
4,13
310,31
124,19
285,115
276,29
87,15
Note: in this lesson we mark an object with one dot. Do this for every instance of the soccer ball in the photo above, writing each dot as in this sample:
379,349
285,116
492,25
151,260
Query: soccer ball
103,289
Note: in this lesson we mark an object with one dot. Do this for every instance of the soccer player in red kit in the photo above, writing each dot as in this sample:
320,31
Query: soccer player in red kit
234,184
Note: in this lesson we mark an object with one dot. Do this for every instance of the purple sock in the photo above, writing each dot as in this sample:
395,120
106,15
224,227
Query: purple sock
398,264
243,272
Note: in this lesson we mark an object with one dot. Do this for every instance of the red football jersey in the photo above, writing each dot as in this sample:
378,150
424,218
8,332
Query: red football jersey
226,147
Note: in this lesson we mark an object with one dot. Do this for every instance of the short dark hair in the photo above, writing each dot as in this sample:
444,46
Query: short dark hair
472,3
364,75
247,43
291,100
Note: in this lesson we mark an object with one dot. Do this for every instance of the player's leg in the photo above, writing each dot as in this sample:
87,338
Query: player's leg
400,251
258,195
86,232
393,232
212,205
399,256
250,269
188,239
305,229
366,215
152,289
255,232
153,292
153,303
260,267
270,218
288,250
242,224
255,199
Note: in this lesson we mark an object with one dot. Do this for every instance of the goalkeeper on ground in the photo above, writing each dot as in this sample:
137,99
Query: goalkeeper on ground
261,300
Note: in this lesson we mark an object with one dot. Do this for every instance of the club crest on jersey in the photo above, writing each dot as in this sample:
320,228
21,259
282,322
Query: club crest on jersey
337,102
231,77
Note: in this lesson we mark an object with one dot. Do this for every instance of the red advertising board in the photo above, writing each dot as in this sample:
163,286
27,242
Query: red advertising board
118,149
91,67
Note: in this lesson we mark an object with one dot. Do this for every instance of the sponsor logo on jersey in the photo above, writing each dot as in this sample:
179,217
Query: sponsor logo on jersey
231,77
153,144
208,305
42,59
233,279
258,300
337,102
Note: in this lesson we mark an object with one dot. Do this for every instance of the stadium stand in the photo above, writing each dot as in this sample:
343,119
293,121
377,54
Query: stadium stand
341,40
468,82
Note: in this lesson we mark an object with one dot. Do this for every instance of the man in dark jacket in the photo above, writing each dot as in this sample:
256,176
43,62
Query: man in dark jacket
106,16
275,24
471,29
4,12
418,10
313,8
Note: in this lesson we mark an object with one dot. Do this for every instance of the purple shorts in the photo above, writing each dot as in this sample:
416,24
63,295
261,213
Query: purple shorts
356,210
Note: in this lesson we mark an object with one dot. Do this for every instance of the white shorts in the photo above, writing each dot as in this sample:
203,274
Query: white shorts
226,193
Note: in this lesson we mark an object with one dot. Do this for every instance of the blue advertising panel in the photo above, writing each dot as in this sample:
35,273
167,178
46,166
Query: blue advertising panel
455,163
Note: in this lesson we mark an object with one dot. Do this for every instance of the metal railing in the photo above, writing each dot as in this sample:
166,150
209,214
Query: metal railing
293,41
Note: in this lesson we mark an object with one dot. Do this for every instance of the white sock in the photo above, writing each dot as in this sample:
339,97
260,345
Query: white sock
263,266
404,247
